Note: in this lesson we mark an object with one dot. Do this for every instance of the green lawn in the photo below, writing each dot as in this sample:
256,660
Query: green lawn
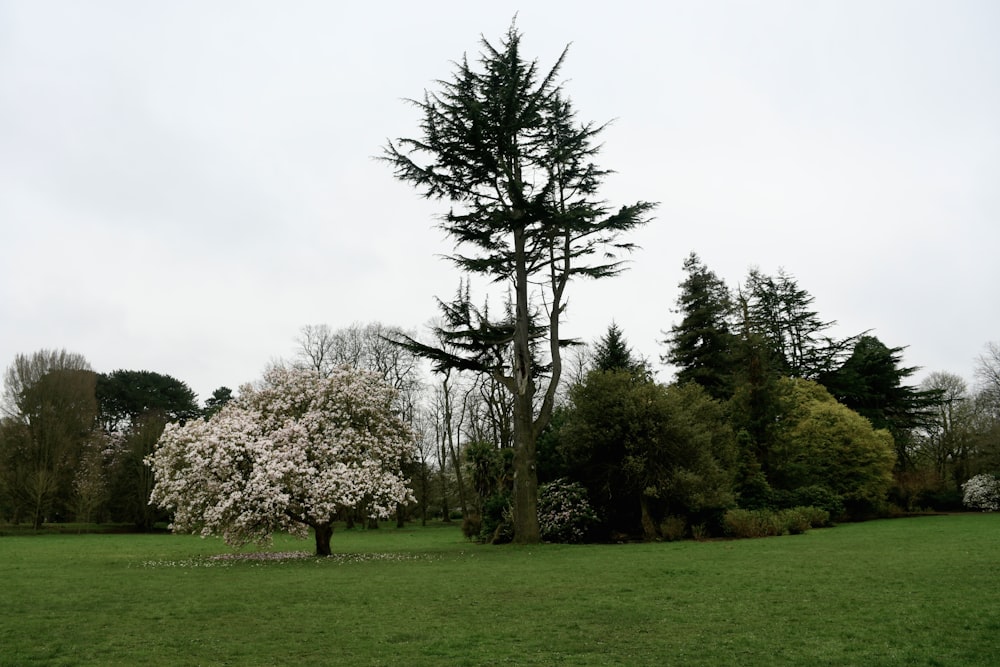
923,591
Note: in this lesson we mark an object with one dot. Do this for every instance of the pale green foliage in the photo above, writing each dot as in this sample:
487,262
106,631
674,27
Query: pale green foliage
818,441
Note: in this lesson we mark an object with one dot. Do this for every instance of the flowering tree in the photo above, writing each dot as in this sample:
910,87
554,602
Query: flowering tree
287,455
982,492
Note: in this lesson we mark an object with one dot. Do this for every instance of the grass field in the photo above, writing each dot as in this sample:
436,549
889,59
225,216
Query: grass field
921,591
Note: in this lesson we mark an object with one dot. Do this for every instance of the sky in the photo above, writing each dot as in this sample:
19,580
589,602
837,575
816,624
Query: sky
185,185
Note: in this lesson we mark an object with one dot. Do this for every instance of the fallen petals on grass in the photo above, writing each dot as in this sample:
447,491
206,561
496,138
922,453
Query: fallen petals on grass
265,555
229,559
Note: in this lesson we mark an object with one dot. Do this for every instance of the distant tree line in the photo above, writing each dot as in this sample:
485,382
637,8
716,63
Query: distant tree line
72,441
762,414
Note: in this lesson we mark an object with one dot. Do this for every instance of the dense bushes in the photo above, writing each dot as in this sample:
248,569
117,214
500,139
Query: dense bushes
646,451
767,523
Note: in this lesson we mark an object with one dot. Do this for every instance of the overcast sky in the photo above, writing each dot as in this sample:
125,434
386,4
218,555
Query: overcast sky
184,185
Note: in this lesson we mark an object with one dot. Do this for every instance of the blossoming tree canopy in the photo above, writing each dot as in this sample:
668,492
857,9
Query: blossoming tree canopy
289,454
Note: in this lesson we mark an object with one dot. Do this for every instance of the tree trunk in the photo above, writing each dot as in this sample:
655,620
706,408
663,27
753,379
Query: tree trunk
522,386
324,532
525,501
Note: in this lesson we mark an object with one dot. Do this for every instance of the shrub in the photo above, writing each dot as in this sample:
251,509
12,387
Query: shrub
943,500
811,496
982,492
794,521
472,526
766,523
752,523
496,525
673,528
700,532
817,516
564,513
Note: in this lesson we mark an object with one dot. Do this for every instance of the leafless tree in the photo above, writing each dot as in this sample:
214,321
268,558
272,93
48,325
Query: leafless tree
988,370
50,405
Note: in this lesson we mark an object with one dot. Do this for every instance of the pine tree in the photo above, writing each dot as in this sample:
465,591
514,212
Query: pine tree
701,345
612,353
503,146
779,312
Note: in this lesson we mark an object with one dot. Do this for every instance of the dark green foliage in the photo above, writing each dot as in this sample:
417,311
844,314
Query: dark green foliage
489,466
753,406
551,463
810,496
751,486
645,451
131,480
125,396
778,311
612,353
490,472
702,345
592,444
43,440
217,400
687,467
74,446
496,526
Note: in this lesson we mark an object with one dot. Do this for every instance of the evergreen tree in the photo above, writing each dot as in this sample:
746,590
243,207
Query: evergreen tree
701,345
754,409
612,353
217,400
503,145
871,381
779,312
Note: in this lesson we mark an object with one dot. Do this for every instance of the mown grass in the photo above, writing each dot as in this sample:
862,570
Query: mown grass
898,592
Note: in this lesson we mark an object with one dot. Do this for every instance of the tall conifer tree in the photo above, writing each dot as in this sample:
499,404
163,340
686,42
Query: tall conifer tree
701,345
501,143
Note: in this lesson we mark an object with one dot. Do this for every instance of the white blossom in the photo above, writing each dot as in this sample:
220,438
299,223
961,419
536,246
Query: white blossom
982,492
